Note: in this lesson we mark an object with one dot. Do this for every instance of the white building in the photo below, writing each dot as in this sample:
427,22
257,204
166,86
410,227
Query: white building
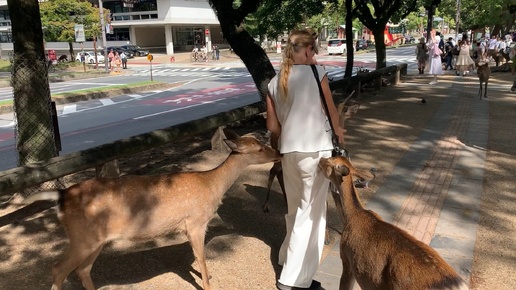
158,25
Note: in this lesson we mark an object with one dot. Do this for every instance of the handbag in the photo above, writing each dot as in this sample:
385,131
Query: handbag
337,150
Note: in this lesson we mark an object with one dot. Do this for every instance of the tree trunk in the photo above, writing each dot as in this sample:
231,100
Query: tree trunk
349,39
379,40
254,57
70,49
34,132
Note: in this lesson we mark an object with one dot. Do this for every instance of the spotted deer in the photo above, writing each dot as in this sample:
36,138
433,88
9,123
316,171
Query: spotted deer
99,210
484,72
376,254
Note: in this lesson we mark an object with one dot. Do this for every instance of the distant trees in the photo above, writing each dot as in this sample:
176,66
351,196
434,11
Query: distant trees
59,17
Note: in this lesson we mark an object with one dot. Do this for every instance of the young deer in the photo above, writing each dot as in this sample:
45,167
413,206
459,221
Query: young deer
484,72
99,210
345,112
378,255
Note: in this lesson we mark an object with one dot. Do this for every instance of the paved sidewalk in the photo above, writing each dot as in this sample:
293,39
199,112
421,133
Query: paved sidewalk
434,192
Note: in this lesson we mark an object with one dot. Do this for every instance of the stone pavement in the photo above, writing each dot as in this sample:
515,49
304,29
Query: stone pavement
434,191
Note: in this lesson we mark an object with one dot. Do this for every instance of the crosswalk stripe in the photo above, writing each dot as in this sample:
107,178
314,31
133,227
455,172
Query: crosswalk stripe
67,109
106,102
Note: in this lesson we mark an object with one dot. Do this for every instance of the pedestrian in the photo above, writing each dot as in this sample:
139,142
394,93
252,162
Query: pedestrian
492,46
118,62
111,58
464,62
304,136
421,55
448,48
217,52
434,57
123,57
512,56
478,53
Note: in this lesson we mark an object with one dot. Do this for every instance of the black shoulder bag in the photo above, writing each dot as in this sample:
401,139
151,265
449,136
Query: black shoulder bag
337,151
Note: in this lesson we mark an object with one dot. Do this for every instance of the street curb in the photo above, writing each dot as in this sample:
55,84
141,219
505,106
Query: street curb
103,94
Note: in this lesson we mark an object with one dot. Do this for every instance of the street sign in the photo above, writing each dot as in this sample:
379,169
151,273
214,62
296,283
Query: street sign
150,57
79,33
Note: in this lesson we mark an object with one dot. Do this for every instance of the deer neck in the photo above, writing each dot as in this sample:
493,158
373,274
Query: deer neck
350,201
224,175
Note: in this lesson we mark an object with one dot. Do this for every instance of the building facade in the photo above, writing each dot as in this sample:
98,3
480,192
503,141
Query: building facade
159,25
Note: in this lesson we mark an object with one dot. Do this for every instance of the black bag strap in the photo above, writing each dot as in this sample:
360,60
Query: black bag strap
334,137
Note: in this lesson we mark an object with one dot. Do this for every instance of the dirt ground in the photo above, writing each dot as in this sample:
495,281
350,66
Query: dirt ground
243,241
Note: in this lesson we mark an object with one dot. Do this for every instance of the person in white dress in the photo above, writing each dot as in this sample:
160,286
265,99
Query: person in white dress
464,62
434,57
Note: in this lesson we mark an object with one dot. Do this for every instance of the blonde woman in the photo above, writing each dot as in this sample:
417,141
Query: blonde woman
296,119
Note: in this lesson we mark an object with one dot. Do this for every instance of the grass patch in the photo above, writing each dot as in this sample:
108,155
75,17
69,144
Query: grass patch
103,92
5,65
6,102
105,89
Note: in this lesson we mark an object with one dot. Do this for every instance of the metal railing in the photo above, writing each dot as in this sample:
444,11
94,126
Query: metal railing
19,178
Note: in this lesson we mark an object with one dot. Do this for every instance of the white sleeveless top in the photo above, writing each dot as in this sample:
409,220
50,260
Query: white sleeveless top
304,126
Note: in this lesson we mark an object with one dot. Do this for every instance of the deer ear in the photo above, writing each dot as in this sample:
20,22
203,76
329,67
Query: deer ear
232,145
353,109
341,107
230,134
342,170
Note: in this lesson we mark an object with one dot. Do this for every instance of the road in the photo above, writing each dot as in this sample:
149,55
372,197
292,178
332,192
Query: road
208,90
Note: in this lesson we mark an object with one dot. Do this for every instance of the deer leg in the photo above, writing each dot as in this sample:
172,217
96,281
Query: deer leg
83,271
77,254
196,237
282,185
275,171
347,280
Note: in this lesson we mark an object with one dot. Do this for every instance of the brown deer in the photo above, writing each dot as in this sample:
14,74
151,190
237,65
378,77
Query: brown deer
99,210
345,112
484,72
379,255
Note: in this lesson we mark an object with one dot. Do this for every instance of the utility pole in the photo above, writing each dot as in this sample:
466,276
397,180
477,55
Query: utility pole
104,41
457,20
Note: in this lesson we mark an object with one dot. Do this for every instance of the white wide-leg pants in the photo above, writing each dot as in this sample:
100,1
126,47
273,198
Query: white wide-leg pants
306,189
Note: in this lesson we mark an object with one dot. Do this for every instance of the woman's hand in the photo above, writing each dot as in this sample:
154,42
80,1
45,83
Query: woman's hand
339,131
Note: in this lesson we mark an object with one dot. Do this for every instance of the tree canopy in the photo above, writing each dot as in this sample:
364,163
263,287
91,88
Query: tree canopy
59,17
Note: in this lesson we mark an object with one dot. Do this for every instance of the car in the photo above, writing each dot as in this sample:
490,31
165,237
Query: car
361,44
135,49
118,49
336,46
410,39
89,57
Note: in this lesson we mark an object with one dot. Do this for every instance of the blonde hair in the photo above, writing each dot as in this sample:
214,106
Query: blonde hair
297,40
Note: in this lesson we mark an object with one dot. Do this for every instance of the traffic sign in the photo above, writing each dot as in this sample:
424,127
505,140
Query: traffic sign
150,57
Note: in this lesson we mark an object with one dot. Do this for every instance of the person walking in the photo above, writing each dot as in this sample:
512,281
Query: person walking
448,48
436,67
304,136
111,58
117,62
421,55
464,62
123,57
